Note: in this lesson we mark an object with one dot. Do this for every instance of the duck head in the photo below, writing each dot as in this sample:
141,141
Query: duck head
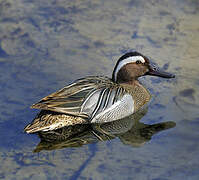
132,65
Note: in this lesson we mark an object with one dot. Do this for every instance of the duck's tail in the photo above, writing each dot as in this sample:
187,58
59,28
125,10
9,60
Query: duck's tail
47,121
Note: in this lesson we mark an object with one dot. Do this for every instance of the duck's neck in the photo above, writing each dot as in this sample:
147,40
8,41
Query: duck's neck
131,81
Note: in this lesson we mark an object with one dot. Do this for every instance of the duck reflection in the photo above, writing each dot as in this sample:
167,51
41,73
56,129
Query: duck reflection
129,130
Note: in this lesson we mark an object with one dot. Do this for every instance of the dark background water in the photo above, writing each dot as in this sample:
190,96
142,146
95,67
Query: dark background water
46,45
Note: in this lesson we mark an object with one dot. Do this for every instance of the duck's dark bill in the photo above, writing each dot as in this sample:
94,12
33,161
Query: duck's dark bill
154,71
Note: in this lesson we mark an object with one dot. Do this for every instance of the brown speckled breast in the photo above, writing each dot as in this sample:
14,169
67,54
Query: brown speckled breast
139,93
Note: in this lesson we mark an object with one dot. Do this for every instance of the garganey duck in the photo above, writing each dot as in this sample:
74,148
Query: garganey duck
98,99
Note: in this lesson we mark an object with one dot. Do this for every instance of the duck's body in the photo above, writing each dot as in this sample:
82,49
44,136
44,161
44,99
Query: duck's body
96,99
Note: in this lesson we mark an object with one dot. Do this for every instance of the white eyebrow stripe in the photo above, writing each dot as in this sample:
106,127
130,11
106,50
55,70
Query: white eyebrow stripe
126,61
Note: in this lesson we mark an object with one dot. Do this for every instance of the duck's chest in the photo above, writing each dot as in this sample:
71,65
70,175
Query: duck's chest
140,96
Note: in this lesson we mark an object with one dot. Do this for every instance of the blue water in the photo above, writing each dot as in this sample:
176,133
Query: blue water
45,46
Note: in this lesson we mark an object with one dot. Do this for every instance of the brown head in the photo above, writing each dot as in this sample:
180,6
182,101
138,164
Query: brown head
132,65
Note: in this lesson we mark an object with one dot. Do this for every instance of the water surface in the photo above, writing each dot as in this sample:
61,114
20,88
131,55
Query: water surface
44,46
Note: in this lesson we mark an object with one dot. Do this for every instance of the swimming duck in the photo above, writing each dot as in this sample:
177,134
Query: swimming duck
98,99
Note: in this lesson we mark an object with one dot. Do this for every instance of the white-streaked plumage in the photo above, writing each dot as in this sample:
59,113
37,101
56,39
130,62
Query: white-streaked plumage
116,111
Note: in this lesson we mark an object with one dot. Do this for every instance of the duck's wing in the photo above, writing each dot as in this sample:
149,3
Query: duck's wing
81,97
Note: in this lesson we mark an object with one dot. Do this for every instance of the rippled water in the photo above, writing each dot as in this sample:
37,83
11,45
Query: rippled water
44,46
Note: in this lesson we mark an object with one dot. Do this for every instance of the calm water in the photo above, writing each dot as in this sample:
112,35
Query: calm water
44,46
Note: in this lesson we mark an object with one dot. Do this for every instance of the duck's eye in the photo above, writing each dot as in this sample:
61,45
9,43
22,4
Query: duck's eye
138,62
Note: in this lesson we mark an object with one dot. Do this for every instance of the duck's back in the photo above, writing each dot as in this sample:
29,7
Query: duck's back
86,97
